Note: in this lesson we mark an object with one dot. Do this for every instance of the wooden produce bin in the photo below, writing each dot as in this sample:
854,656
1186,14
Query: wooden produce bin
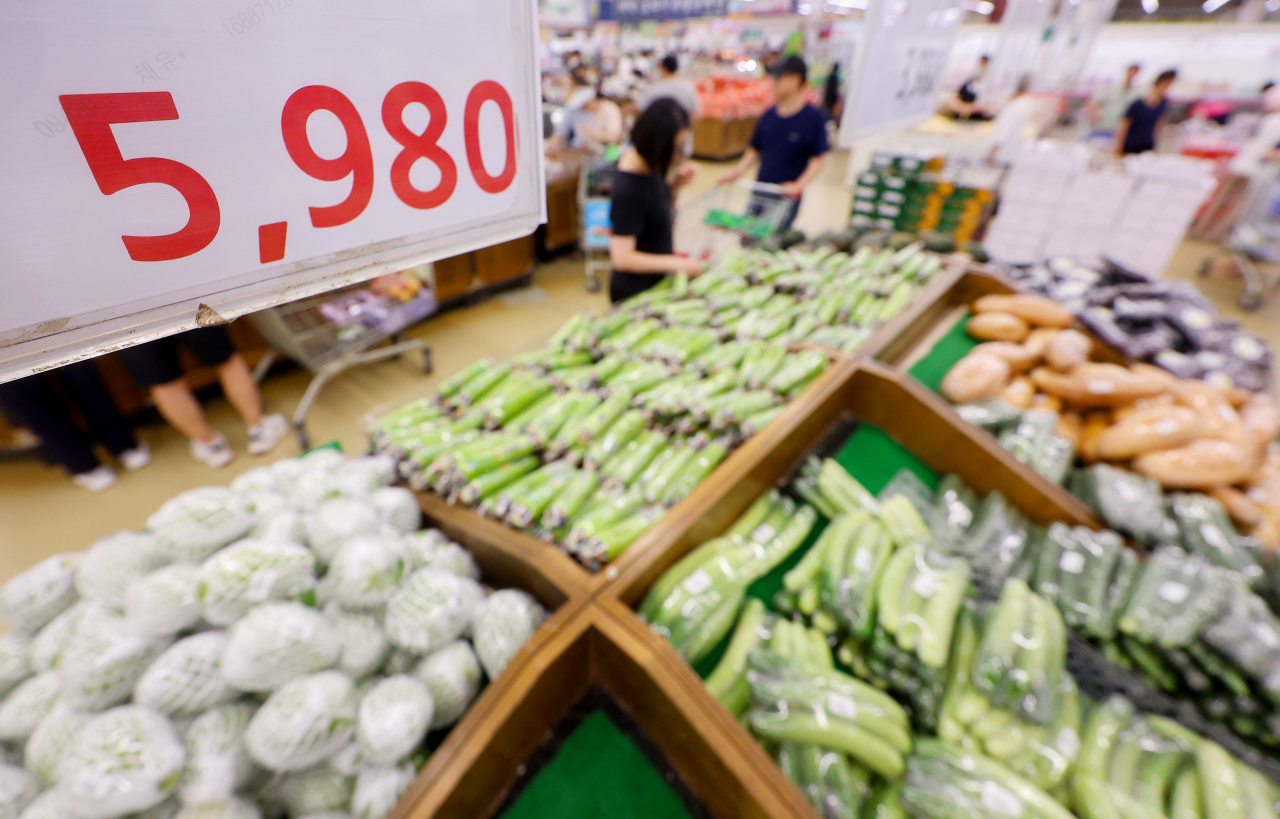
563,216
720,139
491,537
459,276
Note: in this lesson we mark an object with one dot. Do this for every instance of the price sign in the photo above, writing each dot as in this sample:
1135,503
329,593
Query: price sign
169,164
904,47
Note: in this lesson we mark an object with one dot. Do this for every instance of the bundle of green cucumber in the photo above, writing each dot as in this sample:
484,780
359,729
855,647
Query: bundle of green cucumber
588,440
956,706
821,297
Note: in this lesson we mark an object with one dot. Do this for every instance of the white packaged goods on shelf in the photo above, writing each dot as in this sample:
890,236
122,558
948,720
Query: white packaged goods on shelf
306,631
453,677
124,760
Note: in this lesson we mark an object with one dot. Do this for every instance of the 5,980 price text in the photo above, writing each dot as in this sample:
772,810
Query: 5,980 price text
92,115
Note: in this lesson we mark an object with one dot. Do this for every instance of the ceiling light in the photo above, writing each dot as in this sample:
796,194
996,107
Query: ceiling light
979,6
1150,6
1210,6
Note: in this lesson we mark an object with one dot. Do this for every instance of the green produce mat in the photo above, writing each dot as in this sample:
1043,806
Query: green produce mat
598,772
949,349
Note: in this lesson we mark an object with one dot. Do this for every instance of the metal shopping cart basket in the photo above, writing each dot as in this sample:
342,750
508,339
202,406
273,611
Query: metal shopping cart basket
334,331
710,225
1254,240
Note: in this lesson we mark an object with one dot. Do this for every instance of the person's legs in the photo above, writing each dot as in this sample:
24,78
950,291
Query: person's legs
180,408
790,211
32,401
91,398
241,390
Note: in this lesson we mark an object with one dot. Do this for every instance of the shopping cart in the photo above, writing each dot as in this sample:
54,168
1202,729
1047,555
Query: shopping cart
1254,240
595,184
338,330
727,216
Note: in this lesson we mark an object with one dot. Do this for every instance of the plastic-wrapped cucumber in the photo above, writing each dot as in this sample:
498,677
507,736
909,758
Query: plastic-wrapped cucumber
605,515
990,414
619,434
634,457
528,509
605,545
694,472
599,420
451,385
1206,530
1126,502
656,486
496,480
1020,660
997,540
852,563
573,496
481,384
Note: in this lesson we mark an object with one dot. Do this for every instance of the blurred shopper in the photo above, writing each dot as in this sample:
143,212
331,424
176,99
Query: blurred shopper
155,365
1139,129
671,86
1009,131
1252,165
33,401
965,105
790,142
831,100
642,247
1111,104
590,121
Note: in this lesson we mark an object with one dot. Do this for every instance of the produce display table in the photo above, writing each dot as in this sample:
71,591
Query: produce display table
720,139
874,414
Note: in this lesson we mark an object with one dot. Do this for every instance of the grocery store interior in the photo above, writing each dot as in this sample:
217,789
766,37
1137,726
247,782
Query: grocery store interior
882,423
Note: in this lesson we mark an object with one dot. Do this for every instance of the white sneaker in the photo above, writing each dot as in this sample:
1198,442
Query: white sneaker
268,434
217,454
136,458
96,480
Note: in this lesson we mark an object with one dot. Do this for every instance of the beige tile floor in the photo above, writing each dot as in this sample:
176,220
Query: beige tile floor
43,513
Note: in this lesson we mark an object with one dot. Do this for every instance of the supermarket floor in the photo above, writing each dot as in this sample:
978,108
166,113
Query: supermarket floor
43,513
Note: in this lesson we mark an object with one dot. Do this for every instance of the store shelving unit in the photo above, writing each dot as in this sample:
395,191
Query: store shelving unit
595,640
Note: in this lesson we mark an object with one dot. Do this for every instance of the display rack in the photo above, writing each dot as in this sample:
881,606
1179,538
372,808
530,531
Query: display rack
596,641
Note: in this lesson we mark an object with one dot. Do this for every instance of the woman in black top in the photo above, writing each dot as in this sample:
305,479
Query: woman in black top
641,247
1139,131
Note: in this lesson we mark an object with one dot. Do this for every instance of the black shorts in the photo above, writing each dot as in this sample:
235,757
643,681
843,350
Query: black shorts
156,362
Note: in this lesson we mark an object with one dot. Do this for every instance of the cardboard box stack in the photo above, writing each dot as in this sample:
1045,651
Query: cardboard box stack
911,192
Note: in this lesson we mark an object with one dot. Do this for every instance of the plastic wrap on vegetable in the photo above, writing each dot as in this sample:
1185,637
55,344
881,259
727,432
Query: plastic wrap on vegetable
1207,531
165,601
252,572
336,520
392,719
29,703
49,742
452,676
217,762
1019,663
918,597
105,569
378,789
187,678
198,522
1126,502
946,783
276,642
125,760
15,661
315,791
304,722
366,571
103,661
364,644
996,540
34,597
1175,596
432,609
507,620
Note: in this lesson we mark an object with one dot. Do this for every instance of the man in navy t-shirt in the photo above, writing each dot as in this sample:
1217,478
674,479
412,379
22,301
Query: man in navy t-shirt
790,140
1139,130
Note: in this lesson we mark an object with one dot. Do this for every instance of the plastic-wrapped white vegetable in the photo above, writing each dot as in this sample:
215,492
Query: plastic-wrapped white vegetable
103,662
255,479
49,643
306,721
127,759
364,646
165,601
167,809
510,617
393,718
348,760
337,520
18,788
366,571
233,808
315,790
361,476
452,675
276,642
15,661
104,571
324,459
281,525
251,572
284,472
199,522
420,546
187,678
454,559
48,805
378,789
431,610
39,594
50,741
312,488
265,502
217,762
27,704
401,661
398,507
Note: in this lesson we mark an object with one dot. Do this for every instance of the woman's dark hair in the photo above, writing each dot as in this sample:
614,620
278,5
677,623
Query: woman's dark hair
671,64
1167,76
654,134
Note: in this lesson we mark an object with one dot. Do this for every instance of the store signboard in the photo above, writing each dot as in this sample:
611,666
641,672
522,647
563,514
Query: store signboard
564,13
904,48
173,164
1022,30
637,11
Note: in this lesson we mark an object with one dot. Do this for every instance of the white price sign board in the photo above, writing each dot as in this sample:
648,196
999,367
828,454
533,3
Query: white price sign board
168,163
904,48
